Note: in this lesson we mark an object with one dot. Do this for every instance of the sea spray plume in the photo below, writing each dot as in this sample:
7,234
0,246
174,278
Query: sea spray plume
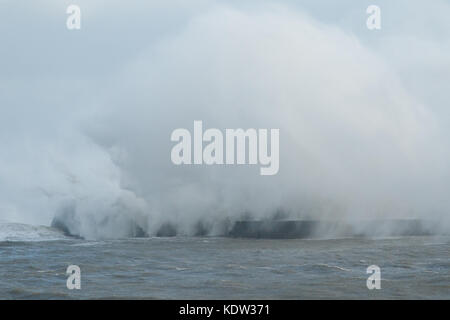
354,144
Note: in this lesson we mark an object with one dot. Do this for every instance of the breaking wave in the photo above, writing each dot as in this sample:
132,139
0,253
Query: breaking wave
18,232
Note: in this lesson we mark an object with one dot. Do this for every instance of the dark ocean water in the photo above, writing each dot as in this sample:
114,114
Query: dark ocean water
226,268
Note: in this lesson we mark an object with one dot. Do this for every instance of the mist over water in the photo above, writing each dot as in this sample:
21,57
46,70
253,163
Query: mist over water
356,142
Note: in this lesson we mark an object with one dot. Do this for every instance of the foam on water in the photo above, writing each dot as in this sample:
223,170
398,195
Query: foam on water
25,232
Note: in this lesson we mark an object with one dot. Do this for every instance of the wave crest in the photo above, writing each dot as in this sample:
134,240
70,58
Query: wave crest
24,232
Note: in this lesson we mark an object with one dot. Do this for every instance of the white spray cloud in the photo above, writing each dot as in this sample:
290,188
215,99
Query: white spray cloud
354,143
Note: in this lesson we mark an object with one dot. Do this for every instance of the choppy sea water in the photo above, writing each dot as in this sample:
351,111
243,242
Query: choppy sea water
223,268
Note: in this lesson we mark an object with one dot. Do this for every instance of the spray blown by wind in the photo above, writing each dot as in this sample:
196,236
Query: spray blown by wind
355,144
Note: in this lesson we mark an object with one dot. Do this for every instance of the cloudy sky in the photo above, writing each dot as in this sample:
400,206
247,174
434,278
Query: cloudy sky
86,115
